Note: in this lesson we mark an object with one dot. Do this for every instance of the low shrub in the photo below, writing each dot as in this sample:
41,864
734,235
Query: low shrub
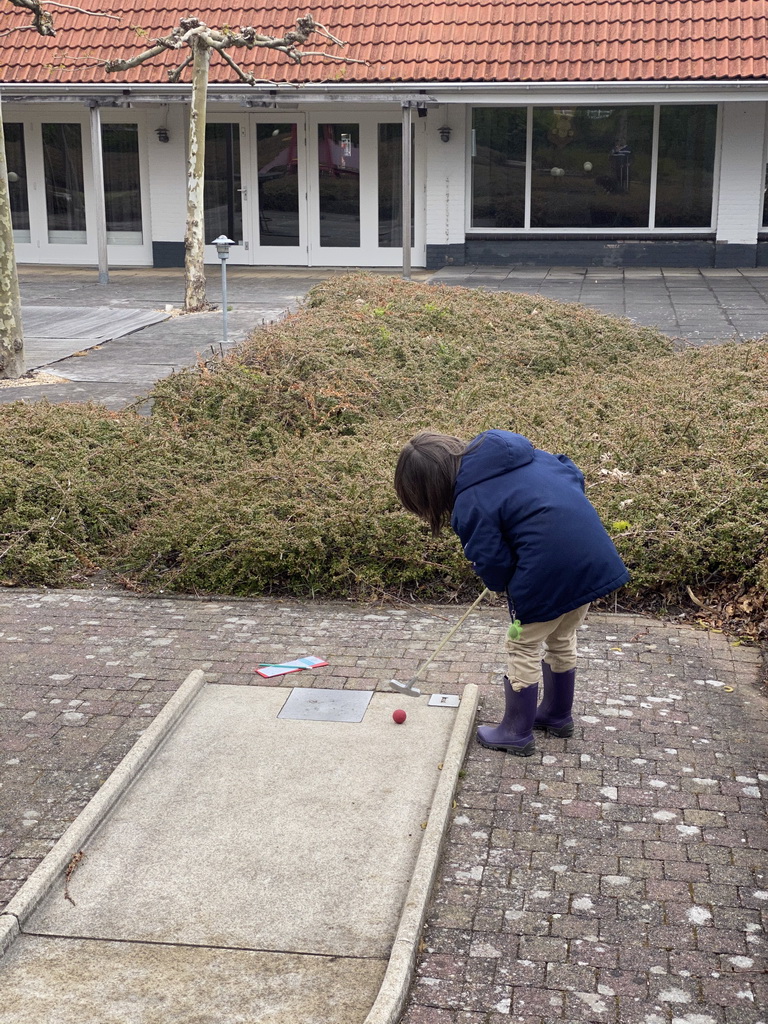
270,471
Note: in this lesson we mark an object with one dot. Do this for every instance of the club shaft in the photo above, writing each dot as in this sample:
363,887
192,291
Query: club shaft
459,624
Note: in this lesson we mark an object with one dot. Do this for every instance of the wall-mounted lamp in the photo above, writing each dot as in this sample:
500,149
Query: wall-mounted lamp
444,133
162,133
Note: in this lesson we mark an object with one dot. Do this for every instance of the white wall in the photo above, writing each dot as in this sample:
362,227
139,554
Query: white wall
446,170
168,173
742,172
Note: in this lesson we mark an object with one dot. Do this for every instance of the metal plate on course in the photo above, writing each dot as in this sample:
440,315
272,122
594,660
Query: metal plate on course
444,700
310,705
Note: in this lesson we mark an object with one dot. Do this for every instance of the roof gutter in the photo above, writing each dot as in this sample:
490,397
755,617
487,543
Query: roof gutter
119,94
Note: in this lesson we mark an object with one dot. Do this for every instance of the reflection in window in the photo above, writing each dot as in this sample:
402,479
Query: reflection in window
122,184
222,197
17,181
64,191
277,151
498,167
591,167
390,155
686,166
339,184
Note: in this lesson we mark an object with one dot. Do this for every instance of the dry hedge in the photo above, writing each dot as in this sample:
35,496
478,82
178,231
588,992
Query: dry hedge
271,470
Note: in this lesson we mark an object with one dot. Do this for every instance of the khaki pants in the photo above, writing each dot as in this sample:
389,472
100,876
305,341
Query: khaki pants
556,639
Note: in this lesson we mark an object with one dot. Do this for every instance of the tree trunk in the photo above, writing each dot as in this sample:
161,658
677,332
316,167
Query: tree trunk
11,334
194,273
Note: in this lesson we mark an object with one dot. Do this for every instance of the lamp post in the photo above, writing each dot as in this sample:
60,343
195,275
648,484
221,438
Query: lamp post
222,244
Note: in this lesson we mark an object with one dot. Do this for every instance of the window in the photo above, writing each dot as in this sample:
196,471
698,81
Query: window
498,167
64,189
593,168
390,165
686,166
16,161
223,196
122,183
277,148
339,181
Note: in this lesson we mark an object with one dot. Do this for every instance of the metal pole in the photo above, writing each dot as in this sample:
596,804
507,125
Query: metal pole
406,189
98,192
224,299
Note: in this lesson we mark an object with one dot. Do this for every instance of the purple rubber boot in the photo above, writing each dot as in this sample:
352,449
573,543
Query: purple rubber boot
554,712
515,731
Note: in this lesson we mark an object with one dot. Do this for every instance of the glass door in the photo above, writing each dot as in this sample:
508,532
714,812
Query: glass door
307,190
53,198
280,229
255,188
225,198
355,195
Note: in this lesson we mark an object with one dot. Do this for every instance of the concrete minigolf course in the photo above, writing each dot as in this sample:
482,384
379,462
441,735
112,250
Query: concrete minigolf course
239,866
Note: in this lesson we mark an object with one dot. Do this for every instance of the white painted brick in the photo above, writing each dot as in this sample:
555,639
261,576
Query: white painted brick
168,175
742,173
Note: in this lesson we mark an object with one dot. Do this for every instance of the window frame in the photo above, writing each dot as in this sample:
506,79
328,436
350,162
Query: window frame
609,232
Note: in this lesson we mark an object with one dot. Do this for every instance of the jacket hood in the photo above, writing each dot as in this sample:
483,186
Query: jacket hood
492,454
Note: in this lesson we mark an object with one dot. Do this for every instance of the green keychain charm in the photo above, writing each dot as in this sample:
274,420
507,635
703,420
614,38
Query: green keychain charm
515,630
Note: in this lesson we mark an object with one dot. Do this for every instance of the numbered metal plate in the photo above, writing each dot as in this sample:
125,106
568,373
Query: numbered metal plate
310,705
444,700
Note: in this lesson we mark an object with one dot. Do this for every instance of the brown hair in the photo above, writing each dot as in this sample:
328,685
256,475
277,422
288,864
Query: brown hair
426,474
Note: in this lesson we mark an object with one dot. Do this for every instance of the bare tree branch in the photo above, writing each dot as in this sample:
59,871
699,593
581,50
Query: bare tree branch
41,19
81,10
202,42
244,76
329,56
18,28
221,40
133,62
175,73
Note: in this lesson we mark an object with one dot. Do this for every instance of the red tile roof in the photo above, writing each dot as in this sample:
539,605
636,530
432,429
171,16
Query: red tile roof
406,40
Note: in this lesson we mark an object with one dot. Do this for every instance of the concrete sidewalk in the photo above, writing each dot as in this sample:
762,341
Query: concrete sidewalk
117,373
618,876
700,307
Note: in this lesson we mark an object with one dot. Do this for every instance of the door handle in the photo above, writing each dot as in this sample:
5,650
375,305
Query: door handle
244,191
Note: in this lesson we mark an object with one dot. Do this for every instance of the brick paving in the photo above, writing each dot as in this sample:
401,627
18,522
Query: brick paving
618,876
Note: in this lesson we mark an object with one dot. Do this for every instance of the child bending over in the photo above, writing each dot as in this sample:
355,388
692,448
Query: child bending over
529,530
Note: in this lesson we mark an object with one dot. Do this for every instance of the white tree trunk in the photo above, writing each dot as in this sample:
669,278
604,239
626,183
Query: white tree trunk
194,273
11,334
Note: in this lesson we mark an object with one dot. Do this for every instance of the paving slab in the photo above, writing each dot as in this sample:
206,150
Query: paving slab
282,834
98,323
65,981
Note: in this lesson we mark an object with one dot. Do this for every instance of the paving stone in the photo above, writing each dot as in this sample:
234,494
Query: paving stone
572,887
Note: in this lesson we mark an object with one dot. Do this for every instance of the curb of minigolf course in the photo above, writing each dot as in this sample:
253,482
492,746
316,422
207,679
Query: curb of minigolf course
389,1004
55,864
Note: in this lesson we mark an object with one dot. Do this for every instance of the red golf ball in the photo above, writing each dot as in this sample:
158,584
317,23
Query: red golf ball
399,716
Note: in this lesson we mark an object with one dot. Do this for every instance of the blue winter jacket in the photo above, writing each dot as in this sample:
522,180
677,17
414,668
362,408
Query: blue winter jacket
528,528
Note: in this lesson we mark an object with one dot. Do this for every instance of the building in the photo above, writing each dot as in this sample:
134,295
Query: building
547,132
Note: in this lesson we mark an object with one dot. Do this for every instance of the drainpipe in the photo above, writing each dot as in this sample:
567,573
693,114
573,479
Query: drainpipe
405,204
98,190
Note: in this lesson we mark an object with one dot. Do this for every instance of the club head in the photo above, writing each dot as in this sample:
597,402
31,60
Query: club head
406,688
